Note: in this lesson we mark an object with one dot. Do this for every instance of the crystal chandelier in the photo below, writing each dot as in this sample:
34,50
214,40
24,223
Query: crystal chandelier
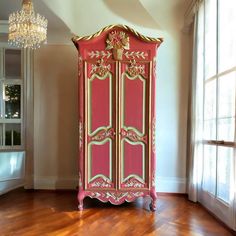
26,29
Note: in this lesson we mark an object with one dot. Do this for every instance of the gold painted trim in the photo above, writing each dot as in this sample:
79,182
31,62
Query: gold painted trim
118,128
80,135
75,39
150,128
86,123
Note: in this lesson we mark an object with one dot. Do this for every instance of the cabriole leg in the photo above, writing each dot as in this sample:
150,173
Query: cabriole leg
153,196
80,200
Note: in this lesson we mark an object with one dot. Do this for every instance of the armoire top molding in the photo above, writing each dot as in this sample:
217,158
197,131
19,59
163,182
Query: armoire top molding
75,39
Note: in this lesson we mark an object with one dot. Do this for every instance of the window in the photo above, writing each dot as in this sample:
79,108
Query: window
11,99
215,102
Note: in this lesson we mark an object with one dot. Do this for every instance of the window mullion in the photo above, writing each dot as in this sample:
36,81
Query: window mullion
203,85
217,91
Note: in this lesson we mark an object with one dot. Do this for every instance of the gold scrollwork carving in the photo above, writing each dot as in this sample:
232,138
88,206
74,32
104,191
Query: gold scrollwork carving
130,134
97,54
154,135
80,135
134,69
101,68
101,183
133,183
103,134
133,55
80,62
153,179
116,196
117,41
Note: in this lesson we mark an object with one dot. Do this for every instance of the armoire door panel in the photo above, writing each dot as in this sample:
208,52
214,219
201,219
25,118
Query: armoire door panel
134,160
133,163
99,98
101,126
100,164
133,101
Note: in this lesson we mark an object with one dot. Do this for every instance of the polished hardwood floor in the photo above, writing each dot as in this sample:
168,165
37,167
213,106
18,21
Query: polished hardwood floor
55,213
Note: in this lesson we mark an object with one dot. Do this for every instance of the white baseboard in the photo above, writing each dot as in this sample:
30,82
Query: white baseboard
54,182
163,184
170,184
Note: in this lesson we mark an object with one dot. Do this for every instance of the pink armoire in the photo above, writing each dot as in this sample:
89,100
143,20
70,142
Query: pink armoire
117,77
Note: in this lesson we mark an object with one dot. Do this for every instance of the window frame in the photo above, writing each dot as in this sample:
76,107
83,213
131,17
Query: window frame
11,80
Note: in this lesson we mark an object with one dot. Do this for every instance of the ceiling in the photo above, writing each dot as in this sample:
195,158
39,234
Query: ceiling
83,17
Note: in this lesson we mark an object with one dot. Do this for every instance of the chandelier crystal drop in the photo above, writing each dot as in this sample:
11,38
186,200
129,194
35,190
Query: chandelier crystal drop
27,29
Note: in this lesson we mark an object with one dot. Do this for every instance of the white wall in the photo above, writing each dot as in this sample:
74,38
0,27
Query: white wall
55,111
56,127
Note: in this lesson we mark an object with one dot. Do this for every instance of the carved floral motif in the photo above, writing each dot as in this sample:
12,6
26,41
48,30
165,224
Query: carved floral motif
133,183
116,197
154,67
103,134
154,135
134,69
101,68
80,135
101,183
130,134
117,41
153,179
80,64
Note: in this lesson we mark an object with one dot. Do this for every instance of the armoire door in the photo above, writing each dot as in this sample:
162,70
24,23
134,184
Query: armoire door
100,114
134,121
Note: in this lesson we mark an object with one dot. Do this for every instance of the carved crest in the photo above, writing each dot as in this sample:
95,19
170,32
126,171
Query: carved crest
117,41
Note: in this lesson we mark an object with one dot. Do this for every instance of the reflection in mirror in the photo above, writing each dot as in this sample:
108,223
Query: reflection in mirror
12,64
12,134
12,101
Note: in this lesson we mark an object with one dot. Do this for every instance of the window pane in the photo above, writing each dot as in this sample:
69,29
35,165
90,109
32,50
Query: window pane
226,129
210,129
12,134
210,110
12,101
226,96
209,169
225,162
12,63
210,38
227,34
210,100
1,134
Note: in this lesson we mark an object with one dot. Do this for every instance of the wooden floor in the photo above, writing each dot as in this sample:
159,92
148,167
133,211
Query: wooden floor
55,213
